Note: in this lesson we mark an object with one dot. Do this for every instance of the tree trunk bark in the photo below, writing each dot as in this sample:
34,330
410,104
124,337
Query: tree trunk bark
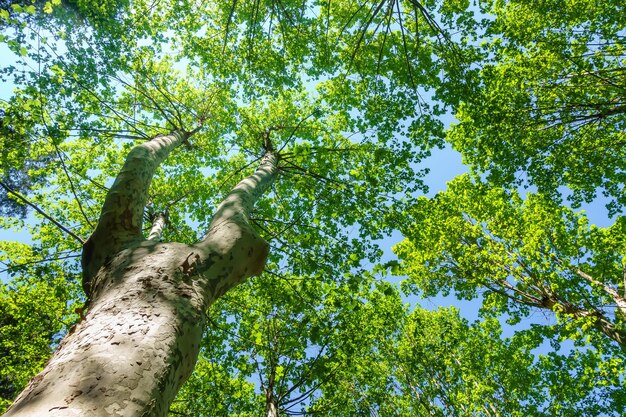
140,338
271,405
158,225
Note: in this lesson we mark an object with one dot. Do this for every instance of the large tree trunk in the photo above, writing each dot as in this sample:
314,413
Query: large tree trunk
140,338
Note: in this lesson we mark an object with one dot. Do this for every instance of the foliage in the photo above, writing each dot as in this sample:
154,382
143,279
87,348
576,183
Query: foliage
352,95
296,336
550,108
436,363
544,112
33,318
518,255
361,352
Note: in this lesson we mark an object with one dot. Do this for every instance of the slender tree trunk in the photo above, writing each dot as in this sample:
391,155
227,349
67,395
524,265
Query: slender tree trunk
271,405
158,225
140,338
272,408
271,402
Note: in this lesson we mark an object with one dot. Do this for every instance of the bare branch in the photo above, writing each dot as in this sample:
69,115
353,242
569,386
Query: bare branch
40,211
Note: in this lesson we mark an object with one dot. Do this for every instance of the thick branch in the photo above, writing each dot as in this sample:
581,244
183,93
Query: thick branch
158,225
122,212
232,243
238,204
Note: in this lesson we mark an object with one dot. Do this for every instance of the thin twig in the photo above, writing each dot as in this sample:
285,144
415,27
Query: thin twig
40,211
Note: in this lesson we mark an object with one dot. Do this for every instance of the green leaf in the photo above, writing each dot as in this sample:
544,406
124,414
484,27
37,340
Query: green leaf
57,71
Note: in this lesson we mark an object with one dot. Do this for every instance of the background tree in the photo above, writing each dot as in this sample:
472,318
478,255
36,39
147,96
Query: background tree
544,114
296,338
549,111
475,239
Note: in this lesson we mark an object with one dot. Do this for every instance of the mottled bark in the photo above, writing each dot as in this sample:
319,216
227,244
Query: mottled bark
137,344
230,231
140,338
120,221
158,225
271,405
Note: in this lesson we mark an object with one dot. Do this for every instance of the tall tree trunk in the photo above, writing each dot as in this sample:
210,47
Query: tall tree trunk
140,338
271,405
271,402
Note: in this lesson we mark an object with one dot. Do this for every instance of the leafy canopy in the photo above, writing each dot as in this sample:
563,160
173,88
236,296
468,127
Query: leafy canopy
352,95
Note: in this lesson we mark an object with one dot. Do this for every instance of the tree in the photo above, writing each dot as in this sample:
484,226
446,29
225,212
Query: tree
544,113
366,354
131,280
435,363
297,339
84,103
522,253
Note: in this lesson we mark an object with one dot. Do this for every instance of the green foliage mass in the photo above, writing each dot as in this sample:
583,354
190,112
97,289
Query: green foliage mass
549,109
544,113
33,317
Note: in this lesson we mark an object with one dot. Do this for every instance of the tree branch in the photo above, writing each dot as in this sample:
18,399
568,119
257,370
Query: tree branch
159,222
122,212
619,300
40,211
